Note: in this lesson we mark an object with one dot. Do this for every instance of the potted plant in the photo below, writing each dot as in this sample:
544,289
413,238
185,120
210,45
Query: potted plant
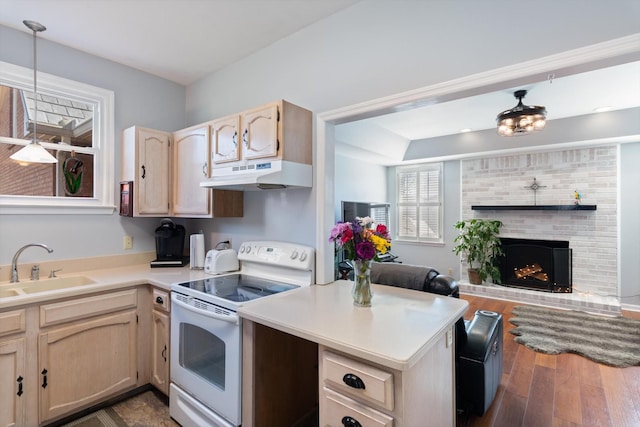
479,243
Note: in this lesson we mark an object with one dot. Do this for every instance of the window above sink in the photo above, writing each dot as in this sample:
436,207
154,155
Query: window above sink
76,125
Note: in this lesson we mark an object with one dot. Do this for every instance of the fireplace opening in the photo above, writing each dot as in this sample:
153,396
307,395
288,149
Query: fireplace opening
542,265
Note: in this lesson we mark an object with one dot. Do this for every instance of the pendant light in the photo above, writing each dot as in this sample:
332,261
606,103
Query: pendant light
34,152
521,119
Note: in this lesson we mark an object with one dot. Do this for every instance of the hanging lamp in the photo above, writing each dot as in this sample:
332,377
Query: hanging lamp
34,152
521,119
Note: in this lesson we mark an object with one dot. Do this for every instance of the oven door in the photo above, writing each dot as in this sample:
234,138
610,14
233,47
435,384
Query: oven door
206,354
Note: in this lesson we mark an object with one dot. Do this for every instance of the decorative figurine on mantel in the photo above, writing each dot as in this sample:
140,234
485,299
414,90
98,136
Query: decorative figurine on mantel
535,187
577,197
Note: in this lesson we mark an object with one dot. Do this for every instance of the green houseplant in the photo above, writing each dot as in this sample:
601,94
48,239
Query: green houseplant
479,243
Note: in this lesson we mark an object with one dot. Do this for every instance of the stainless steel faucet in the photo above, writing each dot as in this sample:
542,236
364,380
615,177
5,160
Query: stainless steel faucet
14,261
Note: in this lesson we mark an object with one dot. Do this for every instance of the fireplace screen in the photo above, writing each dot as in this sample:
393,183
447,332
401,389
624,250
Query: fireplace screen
543,265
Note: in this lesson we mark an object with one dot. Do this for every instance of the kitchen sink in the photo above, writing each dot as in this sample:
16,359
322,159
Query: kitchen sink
53,284
6,293
27,287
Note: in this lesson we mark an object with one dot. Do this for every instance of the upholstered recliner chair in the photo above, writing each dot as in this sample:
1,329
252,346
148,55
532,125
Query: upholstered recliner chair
478,341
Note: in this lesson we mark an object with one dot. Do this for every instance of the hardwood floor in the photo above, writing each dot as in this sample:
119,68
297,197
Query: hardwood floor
566,390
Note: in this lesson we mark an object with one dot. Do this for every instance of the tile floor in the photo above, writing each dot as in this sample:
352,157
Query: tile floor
148,409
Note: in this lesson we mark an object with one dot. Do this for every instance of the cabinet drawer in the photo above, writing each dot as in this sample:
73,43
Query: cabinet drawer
161,299
66,311
339,410
358,379
12,322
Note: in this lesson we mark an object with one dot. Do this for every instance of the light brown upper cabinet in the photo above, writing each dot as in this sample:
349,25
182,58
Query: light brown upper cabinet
278,130
166,170
146,155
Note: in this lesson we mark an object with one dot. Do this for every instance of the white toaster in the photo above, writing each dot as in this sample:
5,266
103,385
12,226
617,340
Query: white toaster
221,261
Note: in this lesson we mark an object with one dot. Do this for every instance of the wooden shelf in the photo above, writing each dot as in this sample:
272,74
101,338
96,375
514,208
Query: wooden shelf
534,207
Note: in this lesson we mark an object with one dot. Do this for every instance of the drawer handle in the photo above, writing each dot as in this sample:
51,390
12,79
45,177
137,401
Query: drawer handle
159,300
353,381
350,422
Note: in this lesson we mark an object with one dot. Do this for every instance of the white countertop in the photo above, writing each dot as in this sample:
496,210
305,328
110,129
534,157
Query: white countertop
106,280
396,331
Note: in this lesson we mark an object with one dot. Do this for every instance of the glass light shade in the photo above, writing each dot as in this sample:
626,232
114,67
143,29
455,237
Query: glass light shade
33,153
521,119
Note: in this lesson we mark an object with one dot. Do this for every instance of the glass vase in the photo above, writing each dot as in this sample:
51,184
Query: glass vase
361,291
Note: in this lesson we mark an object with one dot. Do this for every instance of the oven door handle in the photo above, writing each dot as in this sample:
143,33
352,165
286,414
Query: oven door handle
226,318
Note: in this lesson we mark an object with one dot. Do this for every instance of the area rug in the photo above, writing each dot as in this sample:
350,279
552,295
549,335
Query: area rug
103,418
613,341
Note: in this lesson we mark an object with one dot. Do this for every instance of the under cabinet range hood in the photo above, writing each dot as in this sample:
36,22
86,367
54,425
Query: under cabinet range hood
275,174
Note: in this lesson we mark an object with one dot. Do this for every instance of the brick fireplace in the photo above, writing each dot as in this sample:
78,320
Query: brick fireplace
591,234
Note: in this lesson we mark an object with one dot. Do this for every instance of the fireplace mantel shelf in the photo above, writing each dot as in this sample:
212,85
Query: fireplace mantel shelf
533,207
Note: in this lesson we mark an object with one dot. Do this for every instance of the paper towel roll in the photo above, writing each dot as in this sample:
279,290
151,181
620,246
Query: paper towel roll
196,251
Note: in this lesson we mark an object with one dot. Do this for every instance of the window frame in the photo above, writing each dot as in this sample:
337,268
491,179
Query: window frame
103,143
423,167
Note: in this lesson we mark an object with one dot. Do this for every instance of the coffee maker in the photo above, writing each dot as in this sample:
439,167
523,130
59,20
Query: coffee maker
169,245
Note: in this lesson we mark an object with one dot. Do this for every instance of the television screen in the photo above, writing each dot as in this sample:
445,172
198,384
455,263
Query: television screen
378,211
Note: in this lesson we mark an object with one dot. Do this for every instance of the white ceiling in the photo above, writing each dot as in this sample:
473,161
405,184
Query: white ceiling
179,40
616,87
184,40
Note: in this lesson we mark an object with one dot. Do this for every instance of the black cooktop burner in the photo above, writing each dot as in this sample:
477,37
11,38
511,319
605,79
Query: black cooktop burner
237,287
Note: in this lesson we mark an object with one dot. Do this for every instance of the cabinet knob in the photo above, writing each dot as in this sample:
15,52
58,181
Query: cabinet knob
353,381
350,422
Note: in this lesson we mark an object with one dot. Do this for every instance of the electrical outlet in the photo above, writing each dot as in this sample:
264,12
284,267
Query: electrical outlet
223,238
127,242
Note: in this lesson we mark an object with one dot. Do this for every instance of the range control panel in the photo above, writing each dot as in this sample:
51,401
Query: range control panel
281,254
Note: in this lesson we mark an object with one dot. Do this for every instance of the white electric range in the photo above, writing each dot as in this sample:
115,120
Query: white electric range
206,334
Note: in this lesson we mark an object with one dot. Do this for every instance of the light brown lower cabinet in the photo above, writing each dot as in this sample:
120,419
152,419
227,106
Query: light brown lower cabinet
12,400
86,362
160,351
60,357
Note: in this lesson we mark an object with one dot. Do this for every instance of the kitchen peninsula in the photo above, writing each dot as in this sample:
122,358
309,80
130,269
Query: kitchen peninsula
388,365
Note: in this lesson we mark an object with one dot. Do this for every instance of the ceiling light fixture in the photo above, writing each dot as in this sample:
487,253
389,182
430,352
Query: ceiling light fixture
34,152
603,109
521,119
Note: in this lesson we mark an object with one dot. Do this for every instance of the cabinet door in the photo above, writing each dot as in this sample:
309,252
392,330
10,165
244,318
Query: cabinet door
84,363
224,140
160,351
153,174
260,132
12,358
190,167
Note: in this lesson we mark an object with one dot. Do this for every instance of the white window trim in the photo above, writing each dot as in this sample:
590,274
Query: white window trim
439,166
103,140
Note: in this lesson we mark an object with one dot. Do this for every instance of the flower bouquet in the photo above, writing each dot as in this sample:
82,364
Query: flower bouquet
362,241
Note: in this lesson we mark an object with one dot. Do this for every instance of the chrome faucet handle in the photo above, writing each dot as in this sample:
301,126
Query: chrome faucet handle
52,274
35,272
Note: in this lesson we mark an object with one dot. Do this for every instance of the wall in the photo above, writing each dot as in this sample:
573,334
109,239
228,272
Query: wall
140,99
379,48
592,235
371,50
629,230
358,181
